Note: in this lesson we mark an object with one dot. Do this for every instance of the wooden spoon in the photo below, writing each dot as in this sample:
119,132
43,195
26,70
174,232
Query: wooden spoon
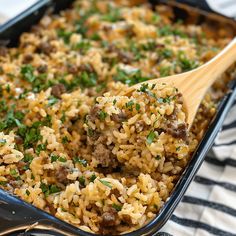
194,84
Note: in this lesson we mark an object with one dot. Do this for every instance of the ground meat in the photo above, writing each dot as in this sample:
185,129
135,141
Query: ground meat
104,156
42,69
139,125
51,208
119,117
109,218
109,222
58,90
179,98
61,175
115,192
72,69
87,68
127,219
108,162
45,48
94,113
3,51
107,28
205,111
16,183
177,131
91,92
125,57
173,115
27,58
36,29
18,140
20,166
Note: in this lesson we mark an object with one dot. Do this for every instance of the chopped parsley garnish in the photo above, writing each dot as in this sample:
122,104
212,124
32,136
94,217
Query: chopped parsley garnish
136,51
117,207
95,37
149,46
8,88
3,183
90,132
166,53
164,100
80,161
39,148
106,183
54,158
92,178
39,82
65,35
185,63
14,172
129,105
62,159
178,148
144,89
165,71
31,135
130,78
157,157
100,87
57,158
151,136
84,80
3,105
65,140
52,100
49,189
80,24
82,181
2,141
63,118
155,18
12,119
112,15
88,80
102,115
169,30
27,72
27,192
137,106
27,159
83,46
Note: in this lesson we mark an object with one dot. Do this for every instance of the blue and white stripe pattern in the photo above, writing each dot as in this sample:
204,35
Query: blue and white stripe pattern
209,206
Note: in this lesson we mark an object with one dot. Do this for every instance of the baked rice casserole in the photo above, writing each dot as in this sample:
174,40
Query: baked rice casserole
70,144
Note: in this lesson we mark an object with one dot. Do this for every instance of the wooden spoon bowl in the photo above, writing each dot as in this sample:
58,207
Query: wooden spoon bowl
194,84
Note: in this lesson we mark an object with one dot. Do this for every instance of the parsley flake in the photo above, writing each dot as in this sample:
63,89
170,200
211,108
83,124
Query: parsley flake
80,161
151,136
106,183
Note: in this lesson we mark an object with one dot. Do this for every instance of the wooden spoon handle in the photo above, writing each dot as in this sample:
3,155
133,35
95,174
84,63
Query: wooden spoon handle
194,84
220,63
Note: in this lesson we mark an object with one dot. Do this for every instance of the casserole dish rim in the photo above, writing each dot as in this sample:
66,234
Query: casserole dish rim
181,186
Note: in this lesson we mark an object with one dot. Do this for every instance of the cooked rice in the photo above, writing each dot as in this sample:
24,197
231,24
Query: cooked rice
70,143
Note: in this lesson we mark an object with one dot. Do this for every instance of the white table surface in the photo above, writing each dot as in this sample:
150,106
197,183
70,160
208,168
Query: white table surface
11,8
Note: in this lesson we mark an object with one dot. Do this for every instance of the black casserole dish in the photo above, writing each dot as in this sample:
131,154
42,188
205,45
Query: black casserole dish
18,216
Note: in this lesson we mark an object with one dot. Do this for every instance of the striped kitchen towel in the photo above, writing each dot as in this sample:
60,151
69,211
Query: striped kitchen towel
209,205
